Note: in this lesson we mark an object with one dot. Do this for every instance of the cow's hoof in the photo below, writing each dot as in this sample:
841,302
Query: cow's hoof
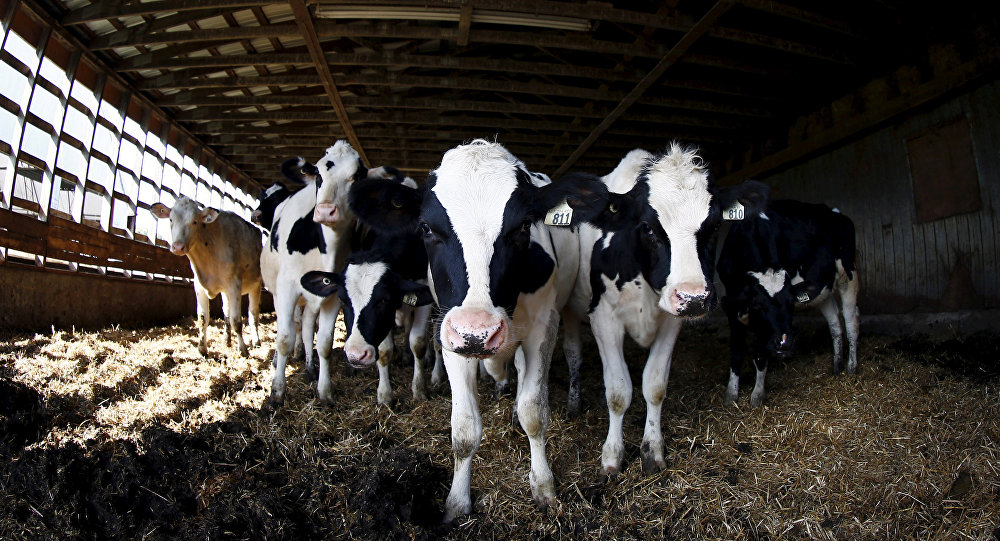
573,409
730,399
420,394
607,474
244,352
310,373
386,401
274,402
852,370
544,502
454,509
836,368
756,400
650,462
203,349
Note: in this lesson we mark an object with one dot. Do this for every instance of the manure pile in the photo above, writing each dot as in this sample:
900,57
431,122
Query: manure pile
130,434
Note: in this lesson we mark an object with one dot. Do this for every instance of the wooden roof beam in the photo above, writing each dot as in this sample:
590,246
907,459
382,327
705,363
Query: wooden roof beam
305,23
685,43
110,10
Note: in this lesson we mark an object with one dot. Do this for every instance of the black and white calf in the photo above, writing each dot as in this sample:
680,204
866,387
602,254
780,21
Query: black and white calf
646,265
311,231
386,283
792,256
499,277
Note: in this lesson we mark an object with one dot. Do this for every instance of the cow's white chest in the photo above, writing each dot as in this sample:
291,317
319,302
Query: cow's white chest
635,305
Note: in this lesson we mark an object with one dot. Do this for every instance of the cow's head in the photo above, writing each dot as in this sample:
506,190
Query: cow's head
370,293
186,218
477,214
673,212
337,170
267,203
766,304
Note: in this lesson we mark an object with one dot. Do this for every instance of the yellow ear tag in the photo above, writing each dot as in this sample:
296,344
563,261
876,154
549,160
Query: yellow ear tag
410,299
735,212
561,215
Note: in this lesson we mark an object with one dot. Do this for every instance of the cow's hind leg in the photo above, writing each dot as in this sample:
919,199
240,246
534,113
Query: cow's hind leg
758,394
571,350
417,337
253,315
737,354
437,373
324,347
203,315
231,307
831,312
307,333
654,388
849,306
466,431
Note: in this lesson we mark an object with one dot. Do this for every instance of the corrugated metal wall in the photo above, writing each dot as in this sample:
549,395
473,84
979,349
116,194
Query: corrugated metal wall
941,265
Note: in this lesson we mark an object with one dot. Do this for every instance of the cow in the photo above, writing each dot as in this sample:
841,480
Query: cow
791,256
224,251
312,230
646,266
500,279
380,286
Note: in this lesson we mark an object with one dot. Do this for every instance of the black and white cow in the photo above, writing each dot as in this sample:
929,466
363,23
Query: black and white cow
646,265
224,252
312,230
383,284
499,277
794,255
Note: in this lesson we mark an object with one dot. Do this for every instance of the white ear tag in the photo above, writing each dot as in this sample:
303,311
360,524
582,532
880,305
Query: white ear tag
734,212
410,299
561,214
802,297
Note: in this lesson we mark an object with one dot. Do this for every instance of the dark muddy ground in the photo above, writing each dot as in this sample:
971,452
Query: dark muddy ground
124,434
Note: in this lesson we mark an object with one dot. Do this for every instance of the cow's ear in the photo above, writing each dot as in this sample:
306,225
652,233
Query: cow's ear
320,283
160,210
593,203
386,205
753,195
209,215
298,171
415,293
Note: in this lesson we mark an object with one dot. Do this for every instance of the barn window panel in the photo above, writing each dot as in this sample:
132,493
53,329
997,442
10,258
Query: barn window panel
943,168
38,143
189,178
127,184
22,51
122,214
47,106
129,156
78,125
84,95
100,171
171,180
145,225
72,157
55,75
63,194
28,189
96,207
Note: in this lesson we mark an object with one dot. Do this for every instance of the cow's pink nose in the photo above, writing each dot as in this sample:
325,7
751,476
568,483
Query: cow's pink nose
326,213
475,332
360,357
689,299
178,248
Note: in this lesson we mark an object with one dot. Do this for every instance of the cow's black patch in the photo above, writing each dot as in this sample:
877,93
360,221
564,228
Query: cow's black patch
305,235
274,237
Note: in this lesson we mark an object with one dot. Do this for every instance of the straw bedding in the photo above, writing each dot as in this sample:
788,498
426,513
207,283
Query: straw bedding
130,434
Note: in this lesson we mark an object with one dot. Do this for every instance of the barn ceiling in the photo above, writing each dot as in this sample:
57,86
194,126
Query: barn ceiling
565,85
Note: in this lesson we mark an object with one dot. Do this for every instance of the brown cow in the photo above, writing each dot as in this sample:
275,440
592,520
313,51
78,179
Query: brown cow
225,256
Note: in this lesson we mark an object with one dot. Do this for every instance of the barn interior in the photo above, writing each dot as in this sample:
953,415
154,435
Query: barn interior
884,109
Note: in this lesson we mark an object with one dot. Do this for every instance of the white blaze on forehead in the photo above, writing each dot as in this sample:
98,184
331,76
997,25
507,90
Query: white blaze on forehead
771,280
678,193
474,184
360,281
335,179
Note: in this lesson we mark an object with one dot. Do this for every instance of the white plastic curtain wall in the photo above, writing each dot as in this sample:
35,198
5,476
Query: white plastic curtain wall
70,148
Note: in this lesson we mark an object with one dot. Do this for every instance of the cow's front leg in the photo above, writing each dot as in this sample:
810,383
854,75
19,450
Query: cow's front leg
466,431
737,354
654,387
307,332
203,315
609,335
437,373
849,307
253,316
386,352
324,347
533,404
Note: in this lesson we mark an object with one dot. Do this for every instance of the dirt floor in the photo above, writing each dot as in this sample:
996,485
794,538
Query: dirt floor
130,434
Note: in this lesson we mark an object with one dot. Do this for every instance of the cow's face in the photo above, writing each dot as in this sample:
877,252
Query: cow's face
370,293
338,169
766,305
477,214
268,202
187,218
674,212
